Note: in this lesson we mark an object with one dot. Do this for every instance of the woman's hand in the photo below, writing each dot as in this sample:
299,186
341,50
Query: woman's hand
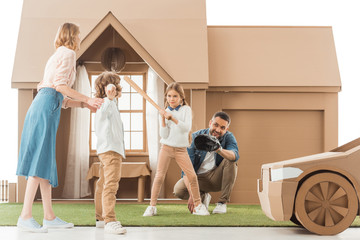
95,102
75,95
92,109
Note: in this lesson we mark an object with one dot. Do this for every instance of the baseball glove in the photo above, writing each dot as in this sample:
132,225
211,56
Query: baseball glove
206,142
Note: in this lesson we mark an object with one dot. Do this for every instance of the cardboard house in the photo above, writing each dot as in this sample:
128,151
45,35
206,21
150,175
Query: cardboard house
278,84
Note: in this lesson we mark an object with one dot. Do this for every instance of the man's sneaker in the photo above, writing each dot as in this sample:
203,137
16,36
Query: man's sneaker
100,224
114,228
150,211
30,225
207,199
201,210
57,223
220,208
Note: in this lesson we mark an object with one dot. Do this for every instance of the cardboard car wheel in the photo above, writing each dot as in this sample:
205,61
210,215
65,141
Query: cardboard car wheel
326,204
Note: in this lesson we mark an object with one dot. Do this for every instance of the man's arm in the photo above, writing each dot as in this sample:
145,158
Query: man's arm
227,154
231,151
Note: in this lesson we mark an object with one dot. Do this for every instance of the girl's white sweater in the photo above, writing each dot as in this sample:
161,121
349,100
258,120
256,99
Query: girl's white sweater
177,135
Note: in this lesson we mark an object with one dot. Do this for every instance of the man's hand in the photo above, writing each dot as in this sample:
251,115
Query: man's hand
206,142
191,204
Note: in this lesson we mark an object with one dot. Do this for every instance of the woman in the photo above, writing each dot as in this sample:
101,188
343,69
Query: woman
37,149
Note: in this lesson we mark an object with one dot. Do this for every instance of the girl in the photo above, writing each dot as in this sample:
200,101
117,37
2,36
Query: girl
174,132
111,151
37,149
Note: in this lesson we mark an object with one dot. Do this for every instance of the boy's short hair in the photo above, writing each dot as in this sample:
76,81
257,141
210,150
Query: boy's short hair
103,80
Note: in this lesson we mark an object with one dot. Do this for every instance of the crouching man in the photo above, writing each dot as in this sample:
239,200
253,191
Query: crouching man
216,171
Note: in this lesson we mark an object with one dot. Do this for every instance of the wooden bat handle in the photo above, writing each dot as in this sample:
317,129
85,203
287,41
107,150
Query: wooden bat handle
142,93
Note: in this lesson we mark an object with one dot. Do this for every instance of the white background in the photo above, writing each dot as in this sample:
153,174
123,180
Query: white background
342,15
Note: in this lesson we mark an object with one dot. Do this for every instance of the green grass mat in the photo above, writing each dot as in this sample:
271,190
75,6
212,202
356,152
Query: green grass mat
82,214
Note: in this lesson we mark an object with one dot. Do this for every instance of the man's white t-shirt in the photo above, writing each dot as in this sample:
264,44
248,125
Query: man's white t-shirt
208,164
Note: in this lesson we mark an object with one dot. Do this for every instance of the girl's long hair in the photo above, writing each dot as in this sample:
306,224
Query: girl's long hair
103,80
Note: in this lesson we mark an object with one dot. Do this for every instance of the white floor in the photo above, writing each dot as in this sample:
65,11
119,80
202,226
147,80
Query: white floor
176,233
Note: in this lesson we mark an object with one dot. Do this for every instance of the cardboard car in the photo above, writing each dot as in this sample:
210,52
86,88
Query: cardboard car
320,192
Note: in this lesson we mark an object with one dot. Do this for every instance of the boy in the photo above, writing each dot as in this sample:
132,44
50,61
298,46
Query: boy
111,151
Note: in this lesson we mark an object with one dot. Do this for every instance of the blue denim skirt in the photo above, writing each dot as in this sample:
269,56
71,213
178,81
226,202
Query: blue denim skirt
37,157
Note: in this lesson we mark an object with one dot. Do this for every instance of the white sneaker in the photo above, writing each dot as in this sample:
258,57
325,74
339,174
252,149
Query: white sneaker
30,225
201,210
207,200
57,223
114,228
220,208
150,211
100,224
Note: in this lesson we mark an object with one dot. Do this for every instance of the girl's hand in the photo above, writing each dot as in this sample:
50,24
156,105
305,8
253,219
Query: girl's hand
162,112
110,91
168,115
95,102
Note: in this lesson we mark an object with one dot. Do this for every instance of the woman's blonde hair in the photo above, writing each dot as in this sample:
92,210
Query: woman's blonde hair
66,36
179,89
103,80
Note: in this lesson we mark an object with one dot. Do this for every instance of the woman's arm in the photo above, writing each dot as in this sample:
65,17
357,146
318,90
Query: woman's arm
67,91
77,104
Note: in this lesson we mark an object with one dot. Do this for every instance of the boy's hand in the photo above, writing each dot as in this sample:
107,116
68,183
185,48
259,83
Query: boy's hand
110,91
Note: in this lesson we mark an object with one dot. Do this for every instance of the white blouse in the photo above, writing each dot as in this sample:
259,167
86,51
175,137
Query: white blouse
60,70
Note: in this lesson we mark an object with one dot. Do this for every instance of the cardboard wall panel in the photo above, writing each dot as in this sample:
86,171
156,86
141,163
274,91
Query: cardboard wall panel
270,136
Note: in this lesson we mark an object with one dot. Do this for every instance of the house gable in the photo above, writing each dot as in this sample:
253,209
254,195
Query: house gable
110,20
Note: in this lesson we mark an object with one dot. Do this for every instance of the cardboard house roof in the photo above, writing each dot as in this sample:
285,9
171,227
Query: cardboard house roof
173,38
272,56
173,33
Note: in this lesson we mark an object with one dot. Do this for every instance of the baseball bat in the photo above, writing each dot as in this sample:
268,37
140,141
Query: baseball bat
142,93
